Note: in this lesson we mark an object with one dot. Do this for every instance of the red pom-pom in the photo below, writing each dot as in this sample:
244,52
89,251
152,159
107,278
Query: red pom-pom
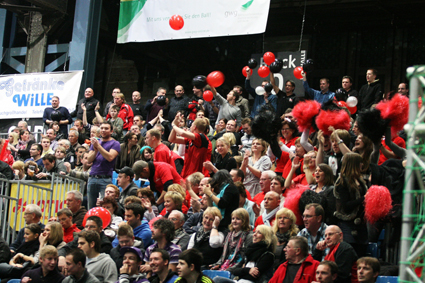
304,112
378,203
292,201
396,110
337,119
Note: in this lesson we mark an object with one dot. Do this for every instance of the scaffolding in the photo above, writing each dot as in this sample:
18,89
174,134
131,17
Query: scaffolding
412,253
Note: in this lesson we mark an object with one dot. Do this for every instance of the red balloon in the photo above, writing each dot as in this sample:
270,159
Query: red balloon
263,71
352,109
215,79
244,71
101,212
208,95
298,72
176,22
268,58
342,104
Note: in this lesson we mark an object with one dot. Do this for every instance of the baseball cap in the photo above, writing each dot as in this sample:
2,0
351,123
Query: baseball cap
126,170
134,250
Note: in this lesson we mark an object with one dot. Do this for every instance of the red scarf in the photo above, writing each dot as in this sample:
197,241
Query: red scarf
331,257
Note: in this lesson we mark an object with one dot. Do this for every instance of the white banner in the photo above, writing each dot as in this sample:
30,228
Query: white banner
148,20
27,95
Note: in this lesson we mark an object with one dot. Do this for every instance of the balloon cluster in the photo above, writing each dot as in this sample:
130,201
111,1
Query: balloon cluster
306,67
214,79
273,65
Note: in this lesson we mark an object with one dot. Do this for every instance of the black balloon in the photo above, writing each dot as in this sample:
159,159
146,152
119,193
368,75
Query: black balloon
341,94
279,62
268,87
56,116
199,81
308,65
161,100
275,68
252,63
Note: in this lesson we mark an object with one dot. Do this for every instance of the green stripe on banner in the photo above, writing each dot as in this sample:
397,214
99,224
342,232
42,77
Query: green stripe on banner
129,9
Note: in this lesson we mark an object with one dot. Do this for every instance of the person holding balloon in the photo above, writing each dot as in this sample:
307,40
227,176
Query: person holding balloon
322,96
261,96
228,108
286,99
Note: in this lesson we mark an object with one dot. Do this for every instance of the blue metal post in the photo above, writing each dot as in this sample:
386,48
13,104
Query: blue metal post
85,36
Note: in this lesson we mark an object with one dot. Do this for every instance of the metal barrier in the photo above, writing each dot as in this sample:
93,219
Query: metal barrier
16,195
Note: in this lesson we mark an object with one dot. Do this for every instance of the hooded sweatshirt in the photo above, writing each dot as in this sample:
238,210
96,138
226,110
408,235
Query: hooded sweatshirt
103,267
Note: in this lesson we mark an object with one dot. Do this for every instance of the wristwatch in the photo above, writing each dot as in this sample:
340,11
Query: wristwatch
340,141
214,227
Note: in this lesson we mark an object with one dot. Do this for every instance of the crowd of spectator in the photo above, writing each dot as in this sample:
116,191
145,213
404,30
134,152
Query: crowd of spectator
196,190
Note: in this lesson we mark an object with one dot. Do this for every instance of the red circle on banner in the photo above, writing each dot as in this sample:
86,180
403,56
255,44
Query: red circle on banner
176,22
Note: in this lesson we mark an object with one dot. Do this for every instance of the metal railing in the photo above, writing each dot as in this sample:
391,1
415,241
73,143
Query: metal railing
15,195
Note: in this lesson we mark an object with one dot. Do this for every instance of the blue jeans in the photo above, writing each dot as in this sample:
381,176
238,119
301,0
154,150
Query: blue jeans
94,187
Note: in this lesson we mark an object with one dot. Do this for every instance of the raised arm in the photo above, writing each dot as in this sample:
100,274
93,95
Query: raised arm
273,82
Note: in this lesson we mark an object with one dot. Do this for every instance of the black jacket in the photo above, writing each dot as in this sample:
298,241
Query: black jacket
90,104
369,94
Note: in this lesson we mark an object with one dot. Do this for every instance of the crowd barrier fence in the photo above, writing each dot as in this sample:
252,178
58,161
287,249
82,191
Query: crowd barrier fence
49,195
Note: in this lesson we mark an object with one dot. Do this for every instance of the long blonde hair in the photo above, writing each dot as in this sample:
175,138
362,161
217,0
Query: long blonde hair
293,230
269,236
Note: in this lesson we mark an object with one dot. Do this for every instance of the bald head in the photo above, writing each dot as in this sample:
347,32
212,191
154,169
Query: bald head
271,201
179,90
333,236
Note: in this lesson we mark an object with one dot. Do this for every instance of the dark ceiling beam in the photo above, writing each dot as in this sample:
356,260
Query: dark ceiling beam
53,5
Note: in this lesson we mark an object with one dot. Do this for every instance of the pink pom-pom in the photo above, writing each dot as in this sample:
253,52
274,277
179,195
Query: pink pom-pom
153,221
337,119
292,201
304,112
378,203
396,110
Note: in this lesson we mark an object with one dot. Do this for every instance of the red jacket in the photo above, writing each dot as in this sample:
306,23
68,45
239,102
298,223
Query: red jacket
306,273
126,114
68,234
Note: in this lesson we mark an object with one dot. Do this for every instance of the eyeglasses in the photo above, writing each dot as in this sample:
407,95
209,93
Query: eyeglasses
308,216
331,234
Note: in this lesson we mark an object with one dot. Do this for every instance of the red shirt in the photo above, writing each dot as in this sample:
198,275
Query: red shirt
300,179
288,167
185,209
164,172
398,141
196,154
283,159
260,221
259,198
163,154
207,158
126,114
68,234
